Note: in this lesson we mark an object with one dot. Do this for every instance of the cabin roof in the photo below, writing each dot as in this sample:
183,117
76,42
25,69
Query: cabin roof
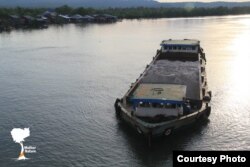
192,42
170,92
87,17
76,16
64,16
49,13
109,16
14,16
28,17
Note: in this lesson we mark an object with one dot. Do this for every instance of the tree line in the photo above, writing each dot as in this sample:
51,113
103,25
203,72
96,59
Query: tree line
131,13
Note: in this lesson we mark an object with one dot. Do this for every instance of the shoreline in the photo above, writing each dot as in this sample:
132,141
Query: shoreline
39,18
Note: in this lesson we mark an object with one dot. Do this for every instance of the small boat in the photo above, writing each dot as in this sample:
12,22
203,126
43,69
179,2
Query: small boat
172,92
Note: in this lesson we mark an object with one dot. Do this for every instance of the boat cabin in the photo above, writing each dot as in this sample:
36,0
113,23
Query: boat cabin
166,99
183,50
187,46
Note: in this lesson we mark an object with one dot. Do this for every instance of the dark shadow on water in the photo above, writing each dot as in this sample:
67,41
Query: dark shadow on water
161,151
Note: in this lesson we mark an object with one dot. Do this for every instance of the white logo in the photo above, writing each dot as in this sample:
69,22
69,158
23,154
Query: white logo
18,136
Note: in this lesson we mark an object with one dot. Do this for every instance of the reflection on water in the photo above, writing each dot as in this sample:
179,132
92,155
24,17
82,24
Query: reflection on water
240,63
162,148
62,83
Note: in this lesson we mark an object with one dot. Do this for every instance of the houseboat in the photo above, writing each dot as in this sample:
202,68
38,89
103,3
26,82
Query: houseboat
172,92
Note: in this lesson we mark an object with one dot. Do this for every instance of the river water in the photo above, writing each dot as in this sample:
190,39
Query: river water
62,82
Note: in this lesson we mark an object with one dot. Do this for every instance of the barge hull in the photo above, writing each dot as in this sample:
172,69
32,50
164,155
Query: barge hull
172,92
164,128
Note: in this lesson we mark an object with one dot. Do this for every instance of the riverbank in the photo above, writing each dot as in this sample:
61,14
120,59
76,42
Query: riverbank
11,18
27,18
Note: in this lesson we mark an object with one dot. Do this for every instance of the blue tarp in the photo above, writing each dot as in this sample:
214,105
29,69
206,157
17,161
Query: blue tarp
136,101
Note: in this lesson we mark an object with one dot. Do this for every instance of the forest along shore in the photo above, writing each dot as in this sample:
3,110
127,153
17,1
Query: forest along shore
31,20
14,18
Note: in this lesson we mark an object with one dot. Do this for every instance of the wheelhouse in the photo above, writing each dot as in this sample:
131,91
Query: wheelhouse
187,46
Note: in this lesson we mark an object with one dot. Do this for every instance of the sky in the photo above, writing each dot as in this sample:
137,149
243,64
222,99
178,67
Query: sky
201,0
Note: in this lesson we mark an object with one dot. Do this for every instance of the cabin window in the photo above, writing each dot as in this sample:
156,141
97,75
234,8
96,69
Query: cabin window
179,48
174,48
167,47
202,69
203,92
154,105
147,104
183,48
161,105
170,106
141,104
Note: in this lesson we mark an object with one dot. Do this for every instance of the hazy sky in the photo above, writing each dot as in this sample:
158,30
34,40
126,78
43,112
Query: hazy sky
200,0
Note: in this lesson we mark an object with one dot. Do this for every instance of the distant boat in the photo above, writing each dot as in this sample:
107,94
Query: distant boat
171,93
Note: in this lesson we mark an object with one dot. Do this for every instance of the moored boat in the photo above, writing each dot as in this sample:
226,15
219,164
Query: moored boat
172,92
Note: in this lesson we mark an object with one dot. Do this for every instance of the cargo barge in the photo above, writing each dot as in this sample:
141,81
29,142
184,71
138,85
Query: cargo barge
172,92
